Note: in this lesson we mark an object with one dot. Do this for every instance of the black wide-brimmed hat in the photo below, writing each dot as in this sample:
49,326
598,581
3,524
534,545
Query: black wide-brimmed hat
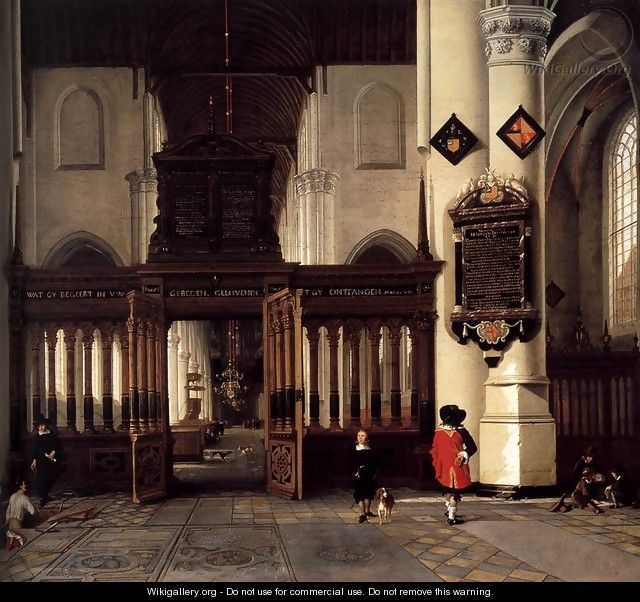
452,415
590,451
40,419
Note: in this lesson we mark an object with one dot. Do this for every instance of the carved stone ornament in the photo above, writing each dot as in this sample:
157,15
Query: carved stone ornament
492,261
516,34
316,180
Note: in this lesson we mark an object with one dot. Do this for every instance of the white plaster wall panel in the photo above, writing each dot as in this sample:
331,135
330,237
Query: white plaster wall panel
368,199
379,129
79,131
95,201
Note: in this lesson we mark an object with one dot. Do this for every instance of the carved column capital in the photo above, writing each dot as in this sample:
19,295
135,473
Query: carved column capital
70,333
313,332
315,180
173,340
51,333
516,35
184,356
135,181
87,335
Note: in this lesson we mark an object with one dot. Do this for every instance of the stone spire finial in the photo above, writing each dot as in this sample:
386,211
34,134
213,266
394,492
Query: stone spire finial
423,254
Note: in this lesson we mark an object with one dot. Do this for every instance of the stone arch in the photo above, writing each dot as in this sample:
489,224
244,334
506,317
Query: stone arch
379,137
387,240
82,249
78,130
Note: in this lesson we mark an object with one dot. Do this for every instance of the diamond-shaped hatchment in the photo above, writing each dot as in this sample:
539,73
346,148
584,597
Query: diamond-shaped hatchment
553,294
453,140
521,133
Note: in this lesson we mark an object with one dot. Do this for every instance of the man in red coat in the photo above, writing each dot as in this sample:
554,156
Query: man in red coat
452,448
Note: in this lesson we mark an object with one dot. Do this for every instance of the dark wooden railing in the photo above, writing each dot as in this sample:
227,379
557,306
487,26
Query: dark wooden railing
594,397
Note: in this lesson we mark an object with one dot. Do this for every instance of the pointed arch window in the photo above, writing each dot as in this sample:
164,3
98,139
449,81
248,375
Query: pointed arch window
623,222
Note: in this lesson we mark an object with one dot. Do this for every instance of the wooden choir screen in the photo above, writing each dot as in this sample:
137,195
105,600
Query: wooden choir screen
148,399
283,392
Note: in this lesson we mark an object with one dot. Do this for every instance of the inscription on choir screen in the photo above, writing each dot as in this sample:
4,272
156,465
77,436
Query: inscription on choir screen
493,263
238,210
191,213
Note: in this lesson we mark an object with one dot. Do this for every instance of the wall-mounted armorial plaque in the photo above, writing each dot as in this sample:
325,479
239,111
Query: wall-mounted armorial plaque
492,237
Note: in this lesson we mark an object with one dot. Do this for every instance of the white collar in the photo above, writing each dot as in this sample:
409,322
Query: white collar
360,446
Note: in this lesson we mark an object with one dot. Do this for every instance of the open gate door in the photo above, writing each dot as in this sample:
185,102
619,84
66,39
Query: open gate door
283,392
147,395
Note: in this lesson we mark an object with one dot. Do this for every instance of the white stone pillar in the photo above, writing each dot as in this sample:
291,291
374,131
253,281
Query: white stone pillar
149,190
423,75
183,369
134,193
517,430
315,192
315,199
143,192
459,370
173,370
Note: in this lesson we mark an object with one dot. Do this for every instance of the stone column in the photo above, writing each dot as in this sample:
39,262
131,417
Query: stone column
183,370
423,74
143,191
315,192
460,370
173,370
517,432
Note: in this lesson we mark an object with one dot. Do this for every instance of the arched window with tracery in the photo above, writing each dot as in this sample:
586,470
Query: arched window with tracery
623,222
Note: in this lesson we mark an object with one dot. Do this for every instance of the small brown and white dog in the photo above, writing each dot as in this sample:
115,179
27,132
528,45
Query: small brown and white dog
385,501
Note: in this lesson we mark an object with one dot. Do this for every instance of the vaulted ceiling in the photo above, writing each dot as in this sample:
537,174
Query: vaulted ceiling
272,48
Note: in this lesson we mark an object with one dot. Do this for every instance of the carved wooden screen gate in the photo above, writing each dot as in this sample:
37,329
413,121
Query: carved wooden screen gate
283,387
147,397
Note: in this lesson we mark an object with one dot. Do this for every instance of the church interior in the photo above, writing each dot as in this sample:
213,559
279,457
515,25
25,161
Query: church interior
306,217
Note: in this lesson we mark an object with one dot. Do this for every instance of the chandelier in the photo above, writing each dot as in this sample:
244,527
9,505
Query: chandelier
230,388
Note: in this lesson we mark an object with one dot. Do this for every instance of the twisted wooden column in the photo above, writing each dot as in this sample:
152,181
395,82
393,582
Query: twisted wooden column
36,339
52,399
333,336
151,376
313,336
106,335
125,420
395,335
279,368
272,372
143,395
289,365
355,335
70,333
373,328
87,345
134,399
415,406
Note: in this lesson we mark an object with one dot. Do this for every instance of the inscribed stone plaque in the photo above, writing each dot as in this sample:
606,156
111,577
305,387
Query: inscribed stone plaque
238,210
492,257
191,209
